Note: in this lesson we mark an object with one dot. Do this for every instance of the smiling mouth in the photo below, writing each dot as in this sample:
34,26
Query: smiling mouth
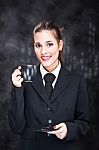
45,58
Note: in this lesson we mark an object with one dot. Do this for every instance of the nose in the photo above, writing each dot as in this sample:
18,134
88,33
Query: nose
43,50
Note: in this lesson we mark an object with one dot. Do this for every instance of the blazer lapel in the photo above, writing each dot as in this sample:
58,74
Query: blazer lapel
37,84
62,82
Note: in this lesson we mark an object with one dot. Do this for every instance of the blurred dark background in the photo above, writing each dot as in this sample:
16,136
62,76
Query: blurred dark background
81,30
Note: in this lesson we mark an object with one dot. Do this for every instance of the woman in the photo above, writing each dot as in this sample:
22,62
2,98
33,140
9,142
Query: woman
66,111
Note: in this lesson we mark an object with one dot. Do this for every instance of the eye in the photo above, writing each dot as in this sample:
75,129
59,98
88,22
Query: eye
50,44
38,45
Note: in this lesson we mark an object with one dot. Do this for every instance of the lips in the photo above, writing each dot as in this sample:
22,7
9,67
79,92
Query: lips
45,58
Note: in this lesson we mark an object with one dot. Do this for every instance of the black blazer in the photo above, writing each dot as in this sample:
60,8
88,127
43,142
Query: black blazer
31,109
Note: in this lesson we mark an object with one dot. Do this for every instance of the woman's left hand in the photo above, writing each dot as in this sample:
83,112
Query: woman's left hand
60,130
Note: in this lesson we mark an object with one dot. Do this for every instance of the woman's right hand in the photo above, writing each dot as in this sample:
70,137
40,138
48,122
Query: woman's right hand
16,77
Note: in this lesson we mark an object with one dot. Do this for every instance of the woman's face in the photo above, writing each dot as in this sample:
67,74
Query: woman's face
47,49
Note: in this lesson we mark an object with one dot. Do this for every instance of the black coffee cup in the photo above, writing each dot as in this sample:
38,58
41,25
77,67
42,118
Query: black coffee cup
28,72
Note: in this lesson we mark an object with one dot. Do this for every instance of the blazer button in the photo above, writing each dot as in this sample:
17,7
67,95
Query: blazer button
49,121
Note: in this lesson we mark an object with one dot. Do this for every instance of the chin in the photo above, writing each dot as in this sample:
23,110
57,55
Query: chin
46,64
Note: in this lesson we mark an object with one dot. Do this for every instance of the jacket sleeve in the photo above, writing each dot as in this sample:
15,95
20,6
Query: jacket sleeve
16,110
80,125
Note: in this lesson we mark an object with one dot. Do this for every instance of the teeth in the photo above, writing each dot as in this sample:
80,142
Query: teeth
46,57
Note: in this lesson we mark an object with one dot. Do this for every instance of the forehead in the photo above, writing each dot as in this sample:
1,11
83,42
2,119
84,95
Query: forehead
45,35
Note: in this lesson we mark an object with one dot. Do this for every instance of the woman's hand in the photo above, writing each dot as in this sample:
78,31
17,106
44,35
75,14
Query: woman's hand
16,77
60,130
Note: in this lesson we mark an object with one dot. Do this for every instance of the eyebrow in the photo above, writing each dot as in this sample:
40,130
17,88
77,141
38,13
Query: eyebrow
46,42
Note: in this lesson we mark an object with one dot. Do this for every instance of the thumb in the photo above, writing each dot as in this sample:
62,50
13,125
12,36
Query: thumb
58,126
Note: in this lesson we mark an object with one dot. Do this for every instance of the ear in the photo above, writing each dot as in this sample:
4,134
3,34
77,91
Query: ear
61,43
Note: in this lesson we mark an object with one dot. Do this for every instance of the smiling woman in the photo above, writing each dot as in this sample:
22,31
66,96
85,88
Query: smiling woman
48,44
53,29
47,49
56,122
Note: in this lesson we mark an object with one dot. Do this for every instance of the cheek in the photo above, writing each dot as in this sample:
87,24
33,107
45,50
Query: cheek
56,52
37,52
55,49
37,55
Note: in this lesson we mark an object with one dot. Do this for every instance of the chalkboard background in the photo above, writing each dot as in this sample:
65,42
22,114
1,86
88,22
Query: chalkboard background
81,30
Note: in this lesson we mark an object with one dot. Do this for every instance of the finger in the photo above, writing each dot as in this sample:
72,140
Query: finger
18,82
21,80
51,132
60,130
16,73
56,131
19,67
18,78
58,126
